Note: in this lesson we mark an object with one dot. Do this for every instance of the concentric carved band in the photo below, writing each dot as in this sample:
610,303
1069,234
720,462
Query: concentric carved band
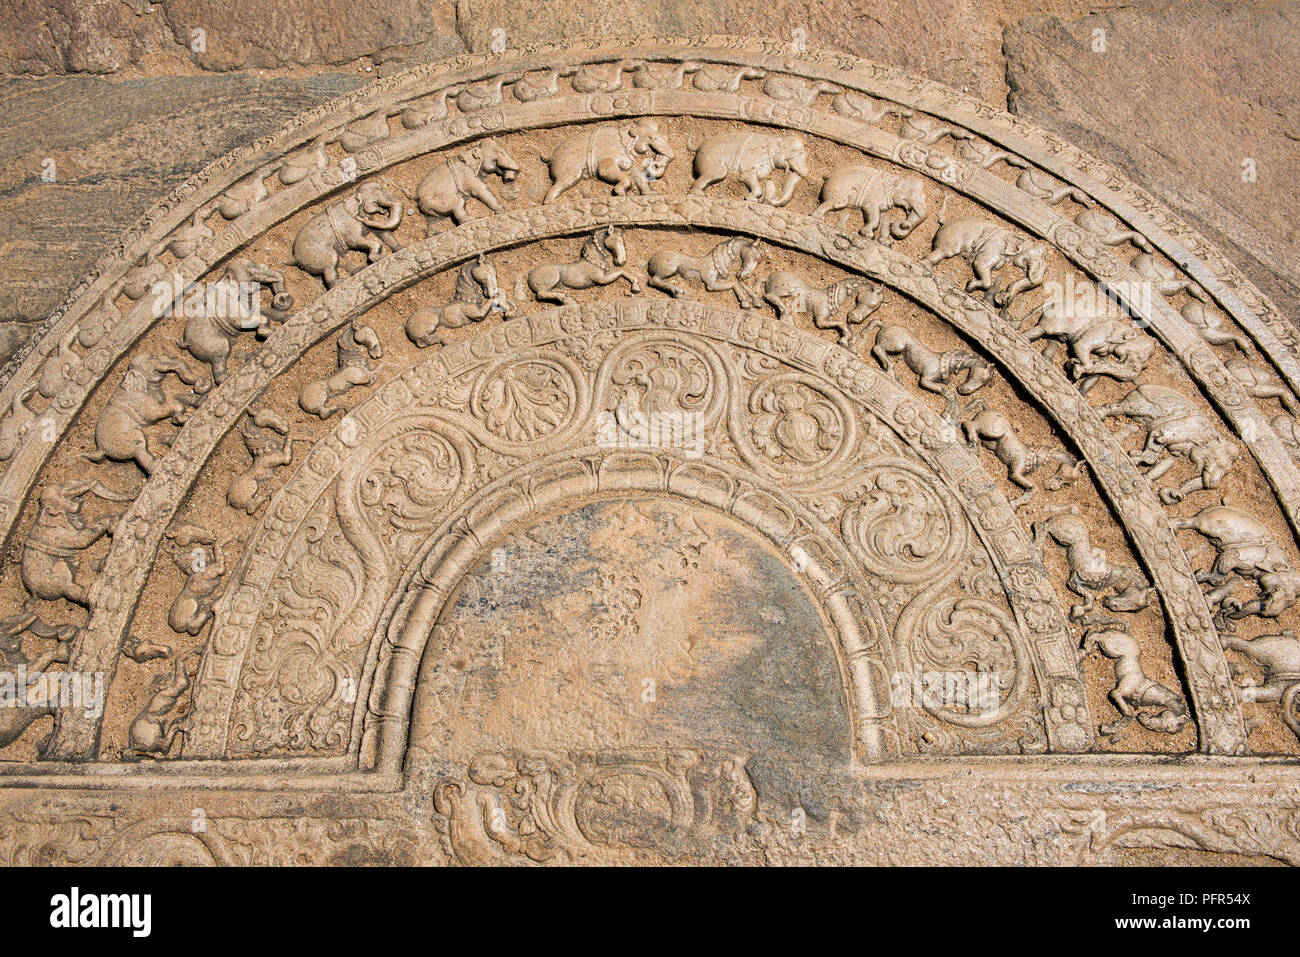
1124,486
994,520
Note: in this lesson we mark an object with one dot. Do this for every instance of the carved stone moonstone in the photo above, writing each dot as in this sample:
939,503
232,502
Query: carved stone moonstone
743,456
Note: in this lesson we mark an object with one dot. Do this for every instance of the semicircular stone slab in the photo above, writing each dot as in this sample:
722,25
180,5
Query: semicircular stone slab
722,427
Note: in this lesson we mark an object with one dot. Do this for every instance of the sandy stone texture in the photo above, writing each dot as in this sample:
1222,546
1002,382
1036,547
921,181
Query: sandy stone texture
1181,98
115,150
136,37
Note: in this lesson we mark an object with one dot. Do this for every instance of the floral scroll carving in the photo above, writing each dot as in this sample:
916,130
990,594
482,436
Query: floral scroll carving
903,527
570,808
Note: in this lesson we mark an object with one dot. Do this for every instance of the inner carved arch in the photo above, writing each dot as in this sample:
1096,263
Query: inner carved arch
394,409
709,637
861,679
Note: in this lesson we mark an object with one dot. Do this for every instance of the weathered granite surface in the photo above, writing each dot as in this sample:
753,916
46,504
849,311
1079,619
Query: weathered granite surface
1182,96
136,37
116,149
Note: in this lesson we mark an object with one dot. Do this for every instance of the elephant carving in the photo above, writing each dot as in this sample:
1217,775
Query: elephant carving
874,192
363,221
139,402
752,158
1175,427
155,728
627,157
447,186
1278,656
51,566
16,720
1246,551
989,247
1099,345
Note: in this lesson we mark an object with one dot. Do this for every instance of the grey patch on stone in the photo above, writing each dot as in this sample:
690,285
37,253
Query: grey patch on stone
1105,787
117,149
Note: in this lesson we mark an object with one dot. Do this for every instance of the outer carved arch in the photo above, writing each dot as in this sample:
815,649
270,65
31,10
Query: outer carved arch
1202,364
1210,687
1249,309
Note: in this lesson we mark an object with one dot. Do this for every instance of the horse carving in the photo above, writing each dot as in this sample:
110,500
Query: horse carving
791,296
727,266
1091,571
358,345
598,264
935,371
994,431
